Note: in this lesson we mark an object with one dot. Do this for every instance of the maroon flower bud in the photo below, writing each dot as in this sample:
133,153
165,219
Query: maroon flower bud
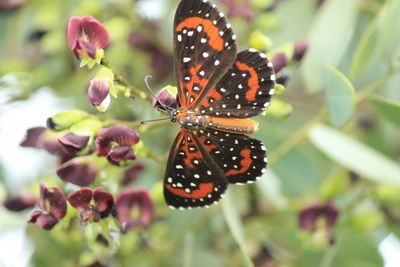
98,93
279,61
127,201
72,142
86,35
10,5
309,216
164,99
300,48
20,202
53,207
132,174
123,136
93,204
77,172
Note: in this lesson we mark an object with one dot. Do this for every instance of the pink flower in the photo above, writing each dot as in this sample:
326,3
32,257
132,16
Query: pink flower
86,35
98,93
116,143
127,201
53,207
93,204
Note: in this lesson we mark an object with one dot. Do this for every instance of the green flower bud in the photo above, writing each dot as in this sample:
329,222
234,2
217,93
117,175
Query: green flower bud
279,109
66,119
259,41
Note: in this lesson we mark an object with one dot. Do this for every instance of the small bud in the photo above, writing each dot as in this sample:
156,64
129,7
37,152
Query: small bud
86,36
99,94
279,109
279,61
131,175
164,99
300,48
259,41
66,119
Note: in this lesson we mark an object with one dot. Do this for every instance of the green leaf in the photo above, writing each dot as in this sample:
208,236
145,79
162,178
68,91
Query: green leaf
232,219
355,156
380,36
339,94
270,188
389,36
366,49
328,39
389,109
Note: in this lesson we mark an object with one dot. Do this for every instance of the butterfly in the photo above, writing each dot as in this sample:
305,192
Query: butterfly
219,90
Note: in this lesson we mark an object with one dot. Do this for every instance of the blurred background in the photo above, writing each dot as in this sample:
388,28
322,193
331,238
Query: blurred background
331,194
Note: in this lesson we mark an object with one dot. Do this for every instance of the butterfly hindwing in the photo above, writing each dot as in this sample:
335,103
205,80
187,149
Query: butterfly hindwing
205,48
241,158
244,91
192,179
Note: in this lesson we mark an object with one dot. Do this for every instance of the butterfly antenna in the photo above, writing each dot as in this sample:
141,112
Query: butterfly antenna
146,81
162,119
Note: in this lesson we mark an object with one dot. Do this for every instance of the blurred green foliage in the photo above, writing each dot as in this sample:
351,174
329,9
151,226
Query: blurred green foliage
351,159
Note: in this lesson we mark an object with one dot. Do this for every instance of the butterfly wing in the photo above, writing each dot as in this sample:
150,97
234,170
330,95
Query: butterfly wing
192,178
205,48
244,91
241,158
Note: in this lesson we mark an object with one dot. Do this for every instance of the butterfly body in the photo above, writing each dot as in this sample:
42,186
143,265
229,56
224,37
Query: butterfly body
193,121
219,91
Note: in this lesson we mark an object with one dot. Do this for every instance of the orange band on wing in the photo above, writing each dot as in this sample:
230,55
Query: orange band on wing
215,41
203,191
245,163
252,82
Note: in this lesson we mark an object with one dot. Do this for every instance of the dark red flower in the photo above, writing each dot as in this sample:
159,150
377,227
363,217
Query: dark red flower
53,207
164,100
127,201
72,142
238,10
78,172
310,215
123,136
36,137
132,174
279,61
93,204
300,48
20,202
98,93
86,35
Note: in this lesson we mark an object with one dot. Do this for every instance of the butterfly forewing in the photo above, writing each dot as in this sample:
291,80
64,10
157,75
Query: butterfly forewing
205,48
192,178
244,91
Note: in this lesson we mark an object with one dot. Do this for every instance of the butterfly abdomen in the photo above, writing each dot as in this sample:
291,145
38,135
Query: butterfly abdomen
232,125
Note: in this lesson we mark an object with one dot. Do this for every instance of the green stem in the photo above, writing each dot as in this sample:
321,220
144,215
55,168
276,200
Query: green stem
121,80
329,255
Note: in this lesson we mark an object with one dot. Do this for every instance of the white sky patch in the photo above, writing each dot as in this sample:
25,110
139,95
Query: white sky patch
389,248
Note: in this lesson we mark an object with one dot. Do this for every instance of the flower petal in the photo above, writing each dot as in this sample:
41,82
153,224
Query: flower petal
76,172
20,202
164,99
309,216
81,199
121,134
52,201
132,174
104,201
73,142
74,31
46,221
279,61
131,197
121,153
32,138
95,32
